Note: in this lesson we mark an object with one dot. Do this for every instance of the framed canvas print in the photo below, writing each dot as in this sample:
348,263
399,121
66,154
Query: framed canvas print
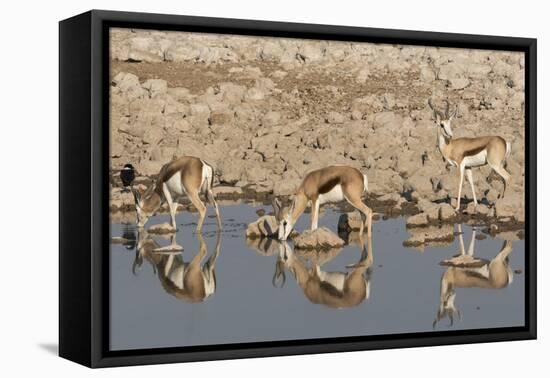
233,188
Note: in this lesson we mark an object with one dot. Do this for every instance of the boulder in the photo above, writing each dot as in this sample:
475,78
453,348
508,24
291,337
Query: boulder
509,205
418,220
446,212
459,83
265,226
389,197
161,228
271,119
145,49
427,75
156,87
319,239
430,235
129,85
335,117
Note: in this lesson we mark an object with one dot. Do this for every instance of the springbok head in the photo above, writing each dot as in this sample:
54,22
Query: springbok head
447,308
146,204
285,254
443,119
283,214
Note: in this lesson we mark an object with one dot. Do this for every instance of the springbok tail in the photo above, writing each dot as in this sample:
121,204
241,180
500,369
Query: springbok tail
365,183
508,150
207,177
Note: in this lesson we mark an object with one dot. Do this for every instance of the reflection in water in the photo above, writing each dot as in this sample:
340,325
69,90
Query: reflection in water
190,281
245,307
341,289
129,237
466,271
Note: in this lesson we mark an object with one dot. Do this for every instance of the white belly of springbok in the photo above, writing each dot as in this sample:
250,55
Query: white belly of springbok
334,195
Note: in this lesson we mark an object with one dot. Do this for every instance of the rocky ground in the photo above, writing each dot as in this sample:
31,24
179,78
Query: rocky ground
265,111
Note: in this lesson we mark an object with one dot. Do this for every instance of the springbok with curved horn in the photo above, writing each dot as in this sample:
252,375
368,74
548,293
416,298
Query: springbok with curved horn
326,185
187,176
465,271
468,153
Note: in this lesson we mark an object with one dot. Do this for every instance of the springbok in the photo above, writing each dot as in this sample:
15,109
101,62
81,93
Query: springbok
187,176
326,185
331,289
468,153
466,271
190,281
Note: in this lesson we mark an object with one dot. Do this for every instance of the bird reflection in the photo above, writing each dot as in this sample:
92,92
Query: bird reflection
466,271
341,289
129,237
191,281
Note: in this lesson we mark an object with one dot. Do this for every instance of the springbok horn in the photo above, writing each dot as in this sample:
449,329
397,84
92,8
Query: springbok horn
436,112
446,109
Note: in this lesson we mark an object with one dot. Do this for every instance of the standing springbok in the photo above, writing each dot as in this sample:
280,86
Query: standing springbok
331,184
331,289
468,153
465,271
187,176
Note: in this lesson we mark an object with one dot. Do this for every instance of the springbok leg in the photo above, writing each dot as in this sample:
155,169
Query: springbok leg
196,201
315,214
171,204
461,181
471,181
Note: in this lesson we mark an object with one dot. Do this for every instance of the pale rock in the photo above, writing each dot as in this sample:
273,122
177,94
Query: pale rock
156,87
430,235
319,239
271,118
265,226
459,83
509,205
418,220
161,228
446,212
335,118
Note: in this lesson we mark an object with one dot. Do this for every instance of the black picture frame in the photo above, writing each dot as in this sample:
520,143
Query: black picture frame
84,208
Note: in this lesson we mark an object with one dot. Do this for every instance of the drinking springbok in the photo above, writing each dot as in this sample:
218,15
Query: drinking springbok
191,281
465,271
331,184
468,153
331,289
187,176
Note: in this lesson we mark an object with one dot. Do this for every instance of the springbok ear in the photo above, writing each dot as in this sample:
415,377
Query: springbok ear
276,203
437,117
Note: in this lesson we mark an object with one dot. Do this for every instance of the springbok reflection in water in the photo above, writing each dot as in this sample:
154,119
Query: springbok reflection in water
191,281
341,289
466,271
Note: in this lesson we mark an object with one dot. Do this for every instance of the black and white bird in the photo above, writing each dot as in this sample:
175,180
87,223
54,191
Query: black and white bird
127,175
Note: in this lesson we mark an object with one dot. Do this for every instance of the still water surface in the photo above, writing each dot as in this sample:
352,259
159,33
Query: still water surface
223,289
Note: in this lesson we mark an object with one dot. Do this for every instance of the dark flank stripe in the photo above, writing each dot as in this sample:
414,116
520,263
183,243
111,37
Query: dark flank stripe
329,185
474,151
